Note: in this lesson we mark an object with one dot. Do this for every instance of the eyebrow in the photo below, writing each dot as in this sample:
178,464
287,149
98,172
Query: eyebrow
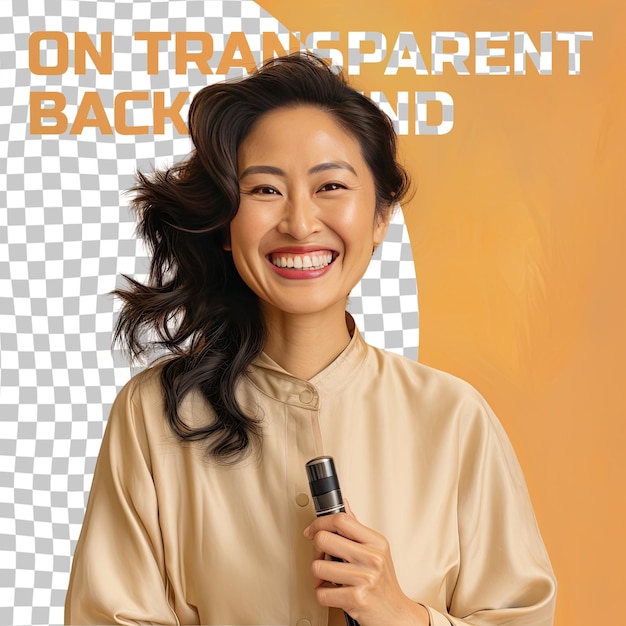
321,167
332,165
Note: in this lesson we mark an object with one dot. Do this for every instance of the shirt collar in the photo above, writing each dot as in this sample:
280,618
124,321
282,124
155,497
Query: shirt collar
272,380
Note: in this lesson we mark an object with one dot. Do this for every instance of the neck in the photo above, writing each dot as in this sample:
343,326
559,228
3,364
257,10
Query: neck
304,345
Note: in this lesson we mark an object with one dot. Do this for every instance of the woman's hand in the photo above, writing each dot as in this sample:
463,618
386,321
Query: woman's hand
365,584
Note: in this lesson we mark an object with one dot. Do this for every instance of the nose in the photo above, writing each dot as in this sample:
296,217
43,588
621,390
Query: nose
300,217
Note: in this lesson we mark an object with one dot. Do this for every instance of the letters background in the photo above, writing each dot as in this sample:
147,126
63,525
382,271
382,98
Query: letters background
517,231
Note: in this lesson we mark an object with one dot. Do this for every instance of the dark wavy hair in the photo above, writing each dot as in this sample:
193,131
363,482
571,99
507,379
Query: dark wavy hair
194,305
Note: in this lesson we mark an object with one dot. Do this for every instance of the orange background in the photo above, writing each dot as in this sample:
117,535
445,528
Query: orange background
518,230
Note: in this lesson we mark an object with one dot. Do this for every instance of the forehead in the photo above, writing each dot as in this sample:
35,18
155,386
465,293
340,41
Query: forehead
302,134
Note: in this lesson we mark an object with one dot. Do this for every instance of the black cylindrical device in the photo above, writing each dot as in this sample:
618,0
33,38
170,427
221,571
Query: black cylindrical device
324,486
326,494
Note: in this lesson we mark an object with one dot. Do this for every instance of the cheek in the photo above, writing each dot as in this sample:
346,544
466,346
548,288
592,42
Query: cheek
246,236
242,231
359,226
239,246
251,222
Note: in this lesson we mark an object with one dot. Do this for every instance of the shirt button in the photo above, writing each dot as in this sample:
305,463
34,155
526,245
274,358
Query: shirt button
306,396
303,622
302,500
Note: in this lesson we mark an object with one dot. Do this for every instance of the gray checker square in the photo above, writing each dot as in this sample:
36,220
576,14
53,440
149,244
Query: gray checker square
66,235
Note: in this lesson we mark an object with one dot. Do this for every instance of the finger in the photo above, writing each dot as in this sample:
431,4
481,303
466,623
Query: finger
340,523
369,556
337,573
348,508
319,555
346,526
334,545
339,597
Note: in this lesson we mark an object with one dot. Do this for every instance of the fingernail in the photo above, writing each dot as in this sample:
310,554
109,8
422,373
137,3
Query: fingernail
307,532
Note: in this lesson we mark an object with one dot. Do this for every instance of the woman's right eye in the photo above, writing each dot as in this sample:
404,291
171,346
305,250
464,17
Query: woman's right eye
264,190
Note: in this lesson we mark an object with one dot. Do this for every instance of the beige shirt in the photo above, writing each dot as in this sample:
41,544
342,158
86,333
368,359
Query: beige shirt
170,537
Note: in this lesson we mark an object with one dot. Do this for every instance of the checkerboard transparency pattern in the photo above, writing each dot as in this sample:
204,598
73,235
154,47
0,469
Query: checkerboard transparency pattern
65,237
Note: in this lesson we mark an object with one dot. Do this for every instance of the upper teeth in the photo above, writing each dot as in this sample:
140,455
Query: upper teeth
304,262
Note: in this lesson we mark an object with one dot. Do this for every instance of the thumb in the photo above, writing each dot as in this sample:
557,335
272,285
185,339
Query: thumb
349,510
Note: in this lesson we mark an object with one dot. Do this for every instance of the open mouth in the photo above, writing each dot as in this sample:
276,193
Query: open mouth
310,261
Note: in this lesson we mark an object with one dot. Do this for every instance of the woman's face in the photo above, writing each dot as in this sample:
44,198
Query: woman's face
306,225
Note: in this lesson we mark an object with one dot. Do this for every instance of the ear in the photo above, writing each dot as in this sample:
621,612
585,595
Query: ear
381,223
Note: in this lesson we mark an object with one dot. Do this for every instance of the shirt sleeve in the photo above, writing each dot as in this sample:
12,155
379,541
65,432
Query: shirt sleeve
118,572
505,576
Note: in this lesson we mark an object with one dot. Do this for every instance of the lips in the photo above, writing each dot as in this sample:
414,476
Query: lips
304,261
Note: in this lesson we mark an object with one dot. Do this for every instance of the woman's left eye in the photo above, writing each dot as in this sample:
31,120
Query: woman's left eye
332,187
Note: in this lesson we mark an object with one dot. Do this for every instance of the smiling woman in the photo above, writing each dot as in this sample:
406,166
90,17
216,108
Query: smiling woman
199,511
305,229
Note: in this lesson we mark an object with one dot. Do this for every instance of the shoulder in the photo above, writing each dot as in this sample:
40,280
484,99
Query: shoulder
441,401
143,380
142,390
138,408
140,404
420,378
450,411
